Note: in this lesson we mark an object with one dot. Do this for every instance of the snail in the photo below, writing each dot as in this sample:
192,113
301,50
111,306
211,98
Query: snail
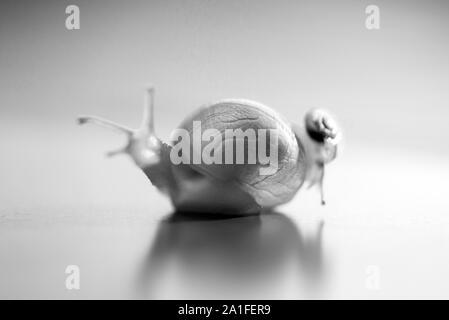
302,151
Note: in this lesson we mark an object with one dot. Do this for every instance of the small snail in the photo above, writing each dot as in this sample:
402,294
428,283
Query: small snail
235,188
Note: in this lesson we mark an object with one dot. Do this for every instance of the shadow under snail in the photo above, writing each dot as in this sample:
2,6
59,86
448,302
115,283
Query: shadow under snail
302,151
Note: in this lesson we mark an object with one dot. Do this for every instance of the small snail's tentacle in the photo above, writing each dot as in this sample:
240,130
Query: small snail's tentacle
117,152
105,123
321,182
148,110
316,178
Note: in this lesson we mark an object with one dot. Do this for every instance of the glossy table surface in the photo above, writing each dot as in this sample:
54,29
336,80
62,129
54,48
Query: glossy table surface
383,234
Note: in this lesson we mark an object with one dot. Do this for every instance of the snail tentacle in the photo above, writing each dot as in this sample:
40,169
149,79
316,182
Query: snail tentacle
105,123
148,110
143,145
320,183
113,153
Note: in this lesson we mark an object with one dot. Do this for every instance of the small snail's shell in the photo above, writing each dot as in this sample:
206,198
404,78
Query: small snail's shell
266,190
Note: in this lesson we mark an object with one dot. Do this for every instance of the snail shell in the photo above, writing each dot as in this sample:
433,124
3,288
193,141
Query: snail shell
266,190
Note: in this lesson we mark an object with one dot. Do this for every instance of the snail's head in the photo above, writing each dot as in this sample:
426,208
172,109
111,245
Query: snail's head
142,144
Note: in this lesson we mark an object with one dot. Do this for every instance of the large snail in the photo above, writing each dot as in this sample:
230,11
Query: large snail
231,187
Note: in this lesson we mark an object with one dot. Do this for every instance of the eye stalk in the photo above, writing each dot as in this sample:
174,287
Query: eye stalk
143,145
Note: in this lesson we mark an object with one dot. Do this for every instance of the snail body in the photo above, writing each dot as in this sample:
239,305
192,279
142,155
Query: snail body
245,187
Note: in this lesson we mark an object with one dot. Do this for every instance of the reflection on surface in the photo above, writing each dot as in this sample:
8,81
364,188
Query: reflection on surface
266,256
